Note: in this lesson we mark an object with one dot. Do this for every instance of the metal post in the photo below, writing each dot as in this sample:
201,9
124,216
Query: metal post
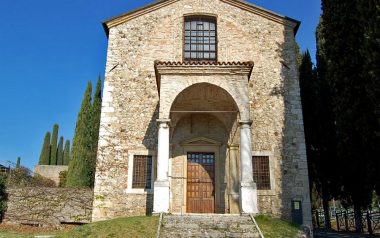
317,218
346,221
369,223
337,221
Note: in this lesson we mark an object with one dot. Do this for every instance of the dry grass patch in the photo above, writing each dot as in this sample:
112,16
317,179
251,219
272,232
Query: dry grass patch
117,228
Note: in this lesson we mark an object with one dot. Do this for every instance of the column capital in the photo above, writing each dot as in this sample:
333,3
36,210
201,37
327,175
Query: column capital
245,122
163,122
233,146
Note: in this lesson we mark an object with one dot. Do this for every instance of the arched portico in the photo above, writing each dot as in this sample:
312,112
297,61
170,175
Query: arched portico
174,79
181,87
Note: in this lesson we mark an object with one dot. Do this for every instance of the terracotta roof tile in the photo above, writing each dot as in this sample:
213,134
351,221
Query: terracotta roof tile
185,63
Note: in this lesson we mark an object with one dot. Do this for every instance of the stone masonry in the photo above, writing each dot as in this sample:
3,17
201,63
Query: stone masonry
208,226
50,171
131,97
42,206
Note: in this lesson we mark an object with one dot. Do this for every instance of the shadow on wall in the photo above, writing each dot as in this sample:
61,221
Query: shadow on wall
3,195
149,204
151,134
295,186
150,142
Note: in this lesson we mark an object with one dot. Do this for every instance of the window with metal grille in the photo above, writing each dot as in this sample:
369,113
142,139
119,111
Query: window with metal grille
200,38
261,172
142,171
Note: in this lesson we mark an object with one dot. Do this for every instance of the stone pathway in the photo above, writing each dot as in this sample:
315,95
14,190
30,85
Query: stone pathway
208,226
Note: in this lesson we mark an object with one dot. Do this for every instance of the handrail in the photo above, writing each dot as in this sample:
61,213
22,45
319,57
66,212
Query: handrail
159,225
257,226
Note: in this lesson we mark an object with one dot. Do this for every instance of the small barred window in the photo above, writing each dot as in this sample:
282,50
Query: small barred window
142,171
261,172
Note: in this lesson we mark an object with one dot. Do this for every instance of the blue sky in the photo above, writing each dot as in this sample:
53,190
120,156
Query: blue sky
49,50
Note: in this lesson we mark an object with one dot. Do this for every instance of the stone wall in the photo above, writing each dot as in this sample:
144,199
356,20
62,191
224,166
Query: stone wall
50,171
48,206
114,205
131,99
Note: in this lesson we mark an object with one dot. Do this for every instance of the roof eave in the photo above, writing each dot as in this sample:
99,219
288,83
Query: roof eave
297,24
107,24
106,29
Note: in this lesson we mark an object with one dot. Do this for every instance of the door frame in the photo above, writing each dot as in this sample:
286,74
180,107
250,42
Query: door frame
202,144
213,178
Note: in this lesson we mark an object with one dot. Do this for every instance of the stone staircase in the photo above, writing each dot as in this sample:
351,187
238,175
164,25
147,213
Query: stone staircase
210,225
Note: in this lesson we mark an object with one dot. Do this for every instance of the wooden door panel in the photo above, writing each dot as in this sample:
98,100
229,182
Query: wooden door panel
200,183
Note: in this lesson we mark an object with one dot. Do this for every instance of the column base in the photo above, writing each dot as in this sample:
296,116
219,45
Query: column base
161,197
248,198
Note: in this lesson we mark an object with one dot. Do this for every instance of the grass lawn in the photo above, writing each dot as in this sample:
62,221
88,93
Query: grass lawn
6,234
138,227
276,228
121,227
22,231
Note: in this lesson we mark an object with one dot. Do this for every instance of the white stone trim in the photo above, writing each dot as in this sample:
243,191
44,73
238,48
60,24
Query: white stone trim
161,199
248,189
272,168
131,154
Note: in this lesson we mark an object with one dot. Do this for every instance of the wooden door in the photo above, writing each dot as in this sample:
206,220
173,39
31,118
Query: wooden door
200,183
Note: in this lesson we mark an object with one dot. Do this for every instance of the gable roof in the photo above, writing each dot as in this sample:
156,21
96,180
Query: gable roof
237,3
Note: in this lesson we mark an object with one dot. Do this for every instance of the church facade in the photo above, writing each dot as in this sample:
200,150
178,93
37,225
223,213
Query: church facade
201,113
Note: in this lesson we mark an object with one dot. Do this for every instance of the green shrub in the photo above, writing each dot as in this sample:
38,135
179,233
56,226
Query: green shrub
22,177
62,179
3,194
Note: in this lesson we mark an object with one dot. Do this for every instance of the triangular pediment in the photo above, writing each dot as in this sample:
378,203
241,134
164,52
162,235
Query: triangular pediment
201,141
236,3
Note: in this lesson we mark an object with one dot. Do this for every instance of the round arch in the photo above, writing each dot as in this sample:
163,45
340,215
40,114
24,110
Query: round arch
204,97
232,90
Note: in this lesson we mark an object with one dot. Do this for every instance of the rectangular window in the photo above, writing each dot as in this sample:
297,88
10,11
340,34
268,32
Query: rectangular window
200,38
142,171
261,172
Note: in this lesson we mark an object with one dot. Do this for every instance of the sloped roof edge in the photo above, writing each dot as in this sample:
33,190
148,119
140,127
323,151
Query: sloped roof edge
107,24
114,21
250,7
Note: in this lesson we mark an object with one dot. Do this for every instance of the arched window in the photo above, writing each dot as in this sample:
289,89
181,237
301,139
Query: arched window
200,38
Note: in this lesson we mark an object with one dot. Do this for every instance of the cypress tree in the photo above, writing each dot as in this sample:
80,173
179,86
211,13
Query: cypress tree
328,177
354,106
60,151
18,162
66,153
80,164
45,151
95,119
370,20
53,146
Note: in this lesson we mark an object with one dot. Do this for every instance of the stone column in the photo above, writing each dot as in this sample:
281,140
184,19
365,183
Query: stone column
248,191
161,185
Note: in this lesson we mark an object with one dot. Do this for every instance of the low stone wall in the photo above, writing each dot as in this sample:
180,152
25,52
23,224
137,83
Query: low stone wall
48,206
121,205
50,171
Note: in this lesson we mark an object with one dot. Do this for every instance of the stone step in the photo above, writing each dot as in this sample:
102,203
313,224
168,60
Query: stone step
210,225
